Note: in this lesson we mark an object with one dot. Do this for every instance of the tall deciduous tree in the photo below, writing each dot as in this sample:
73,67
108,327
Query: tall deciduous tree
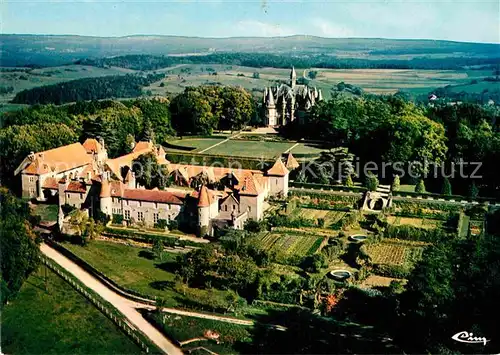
20,254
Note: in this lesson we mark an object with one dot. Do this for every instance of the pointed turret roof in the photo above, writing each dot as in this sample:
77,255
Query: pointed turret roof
320,95
278,169
293,74
205,198
270,98
291,162
249,187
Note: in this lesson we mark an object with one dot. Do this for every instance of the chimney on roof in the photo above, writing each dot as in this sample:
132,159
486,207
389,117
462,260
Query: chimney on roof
89,175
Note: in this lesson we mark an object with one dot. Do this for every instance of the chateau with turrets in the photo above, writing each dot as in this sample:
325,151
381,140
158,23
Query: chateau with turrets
286,103
82,176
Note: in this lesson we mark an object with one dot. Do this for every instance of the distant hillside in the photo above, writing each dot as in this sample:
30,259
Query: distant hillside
38,50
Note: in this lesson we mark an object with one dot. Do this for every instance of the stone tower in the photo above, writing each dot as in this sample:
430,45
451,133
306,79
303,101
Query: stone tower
271,113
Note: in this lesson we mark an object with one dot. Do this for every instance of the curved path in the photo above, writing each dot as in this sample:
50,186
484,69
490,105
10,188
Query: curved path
126,307
129,308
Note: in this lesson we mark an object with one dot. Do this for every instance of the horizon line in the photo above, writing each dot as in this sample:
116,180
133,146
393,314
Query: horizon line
248,37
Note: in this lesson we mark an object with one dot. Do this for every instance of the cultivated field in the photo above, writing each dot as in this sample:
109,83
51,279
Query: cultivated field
286,245
380,81
416,222
394,253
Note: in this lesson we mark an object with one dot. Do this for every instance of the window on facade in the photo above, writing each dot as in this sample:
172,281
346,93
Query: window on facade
127,215
155,217
225,208
81,196
67,195
140,216
32,179
32,191
234,207
156,204
168,218
249,209
140,203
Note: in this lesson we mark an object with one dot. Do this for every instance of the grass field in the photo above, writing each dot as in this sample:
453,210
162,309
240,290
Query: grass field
183,329
134,268
257,149
197,143
58,321
307,149
416,222
285,245
394,253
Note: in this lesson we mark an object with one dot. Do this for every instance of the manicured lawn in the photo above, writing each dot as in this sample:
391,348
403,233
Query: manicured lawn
257,149
58,321
46,212
197,143
183,328
134,268
307,149
407,188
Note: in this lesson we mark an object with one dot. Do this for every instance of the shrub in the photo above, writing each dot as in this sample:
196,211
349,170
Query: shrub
173,225
161,224
321,222
117,219
371,182
446,187
395,183
396,271
348,181
420,187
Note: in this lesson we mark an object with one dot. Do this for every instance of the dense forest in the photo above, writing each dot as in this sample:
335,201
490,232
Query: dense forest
260,60
118,86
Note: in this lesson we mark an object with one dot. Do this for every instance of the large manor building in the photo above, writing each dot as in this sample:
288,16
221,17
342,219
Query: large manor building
286,103
82,176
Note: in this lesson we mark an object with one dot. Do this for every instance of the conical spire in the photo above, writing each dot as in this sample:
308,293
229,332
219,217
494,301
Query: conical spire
293,74
270,98
320,95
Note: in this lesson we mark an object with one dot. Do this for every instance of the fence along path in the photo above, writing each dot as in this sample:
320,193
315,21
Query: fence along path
126,307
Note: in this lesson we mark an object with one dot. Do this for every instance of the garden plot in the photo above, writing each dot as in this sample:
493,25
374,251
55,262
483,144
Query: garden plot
330,217
416,222
290,244
255,149
395,253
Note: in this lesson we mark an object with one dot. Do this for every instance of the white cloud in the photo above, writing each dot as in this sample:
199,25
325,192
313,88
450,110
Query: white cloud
262,29
327,28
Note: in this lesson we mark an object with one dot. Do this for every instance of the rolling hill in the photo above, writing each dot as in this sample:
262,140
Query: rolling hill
51,50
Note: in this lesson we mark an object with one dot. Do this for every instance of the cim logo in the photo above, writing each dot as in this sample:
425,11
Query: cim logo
465,337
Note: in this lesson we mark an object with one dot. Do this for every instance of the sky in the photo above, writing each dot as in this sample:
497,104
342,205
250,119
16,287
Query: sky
469,21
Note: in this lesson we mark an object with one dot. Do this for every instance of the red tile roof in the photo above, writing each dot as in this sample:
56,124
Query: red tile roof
278,169
249,187
91,145
291,162
76,186
50,183
152,196
58,160
206,198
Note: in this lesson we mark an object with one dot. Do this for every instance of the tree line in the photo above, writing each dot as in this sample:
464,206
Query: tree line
116,86
391,129
260,60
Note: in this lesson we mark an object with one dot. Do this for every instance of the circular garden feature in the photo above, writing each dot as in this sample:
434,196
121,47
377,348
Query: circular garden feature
340,274
358,237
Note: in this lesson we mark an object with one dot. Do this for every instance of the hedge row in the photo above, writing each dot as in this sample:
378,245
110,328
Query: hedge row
432,205
354,189
456,198
144,236
395,271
